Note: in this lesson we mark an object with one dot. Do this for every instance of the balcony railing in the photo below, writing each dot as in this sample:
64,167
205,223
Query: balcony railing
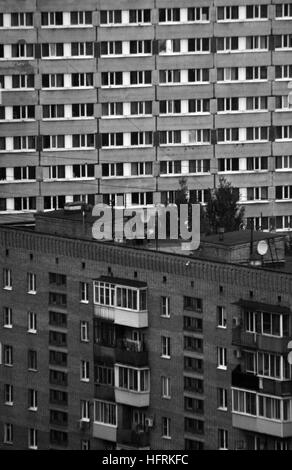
123,351
104,392
122,316
270,386
259,341
133,438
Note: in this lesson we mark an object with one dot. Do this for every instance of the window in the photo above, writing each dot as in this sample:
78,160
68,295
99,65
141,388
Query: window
84,410
139,16
55,80
221,317
259,43
165,346
51,142
58,319
58,438
222,439
112,170
283,10
193,303
80,141
7,279
32,360
141,169
58,299
52,50
81,49
57,397
193,324
110,79
165,428
250,362
194,426
7,317
165,312
54,202
58,339
8,355
22,81
24,143
133,379
142,47
23,113
32,439
256,73
269,365
53,18
230,13
283,72
198,14
142,108
57,279
105,413
84,371
32,399
24,173
84,331
193,385
81,18
109,17
8,433
283,41
84,292
193,364
165,387
193,405
227,74
221,358
31,322
104,375
31,283
227,44
82,80
255,12
142,77
111,48
53,111
169,15
283,132
193,344
222,398
19,20
8,394
199,166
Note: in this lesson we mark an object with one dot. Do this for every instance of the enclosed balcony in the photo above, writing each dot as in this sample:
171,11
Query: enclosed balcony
267,385
105,420
132,386
260,413
121,301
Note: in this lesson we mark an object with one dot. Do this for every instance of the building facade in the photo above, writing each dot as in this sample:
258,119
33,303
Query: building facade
108,346
102,99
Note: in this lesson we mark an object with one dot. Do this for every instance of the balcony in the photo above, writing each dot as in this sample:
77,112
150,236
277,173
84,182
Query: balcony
104,392
243,380
263,384
132,398
131,352
124,351
121,316
105,432
133,439
258,341
261,425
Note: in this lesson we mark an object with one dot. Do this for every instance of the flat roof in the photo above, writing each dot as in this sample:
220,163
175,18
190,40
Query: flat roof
239,238
122,281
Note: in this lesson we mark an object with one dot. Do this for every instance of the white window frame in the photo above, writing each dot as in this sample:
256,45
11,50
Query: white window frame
165,387
221,358
84,371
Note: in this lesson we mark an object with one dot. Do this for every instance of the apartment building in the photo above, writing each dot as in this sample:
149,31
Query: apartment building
105,99
115,346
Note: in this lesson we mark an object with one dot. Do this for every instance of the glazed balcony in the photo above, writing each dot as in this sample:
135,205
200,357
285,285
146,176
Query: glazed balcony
121,301
124,351
265,385
261,425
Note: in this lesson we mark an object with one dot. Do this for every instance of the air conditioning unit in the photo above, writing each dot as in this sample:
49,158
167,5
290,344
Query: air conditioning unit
261,383
83,425
236,321
149,422
238,353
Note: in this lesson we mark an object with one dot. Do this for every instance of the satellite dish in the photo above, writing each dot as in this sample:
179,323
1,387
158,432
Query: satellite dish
262,247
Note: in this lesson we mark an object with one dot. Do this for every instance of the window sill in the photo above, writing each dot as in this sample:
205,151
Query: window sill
166,437
222,367
8,326
84,380
8,403
32,292
7,287
221,327
86,302
165,357
33,332
32,409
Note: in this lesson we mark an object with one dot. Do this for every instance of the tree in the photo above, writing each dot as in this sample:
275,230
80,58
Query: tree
183,196
223,210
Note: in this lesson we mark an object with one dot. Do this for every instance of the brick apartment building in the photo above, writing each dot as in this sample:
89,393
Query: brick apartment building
104,98
113,346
